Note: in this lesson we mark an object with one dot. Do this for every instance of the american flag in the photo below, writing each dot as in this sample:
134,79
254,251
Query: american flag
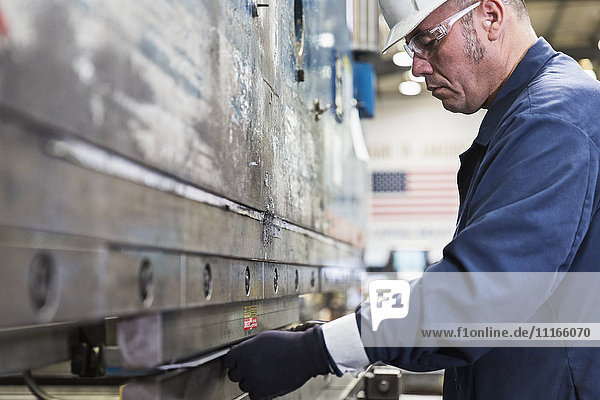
419,193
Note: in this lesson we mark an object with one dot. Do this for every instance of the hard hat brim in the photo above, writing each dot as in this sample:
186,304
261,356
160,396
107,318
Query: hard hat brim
405,26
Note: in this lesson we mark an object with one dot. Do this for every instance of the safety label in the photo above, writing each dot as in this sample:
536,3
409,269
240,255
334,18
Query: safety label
250,317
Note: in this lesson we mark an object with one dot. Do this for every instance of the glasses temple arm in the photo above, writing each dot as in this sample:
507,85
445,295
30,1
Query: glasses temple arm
450,21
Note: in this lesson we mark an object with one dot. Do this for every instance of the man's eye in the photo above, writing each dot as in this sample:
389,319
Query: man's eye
427,41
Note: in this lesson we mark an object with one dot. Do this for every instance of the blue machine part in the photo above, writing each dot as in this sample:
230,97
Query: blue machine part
364,88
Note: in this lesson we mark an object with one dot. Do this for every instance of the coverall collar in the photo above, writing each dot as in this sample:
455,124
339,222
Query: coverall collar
526,70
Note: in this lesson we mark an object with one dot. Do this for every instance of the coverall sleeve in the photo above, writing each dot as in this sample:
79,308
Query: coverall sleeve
528,210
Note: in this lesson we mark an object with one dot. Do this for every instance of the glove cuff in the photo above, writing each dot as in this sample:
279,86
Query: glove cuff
312,348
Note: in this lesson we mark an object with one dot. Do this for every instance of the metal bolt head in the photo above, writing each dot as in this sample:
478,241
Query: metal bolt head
383,386
41,278
247,281
296,281
146,282
207,281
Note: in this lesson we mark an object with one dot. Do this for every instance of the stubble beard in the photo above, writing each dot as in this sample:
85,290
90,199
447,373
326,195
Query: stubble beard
473,47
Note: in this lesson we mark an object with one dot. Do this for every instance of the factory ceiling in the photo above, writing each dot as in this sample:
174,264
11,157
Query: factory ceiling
571,26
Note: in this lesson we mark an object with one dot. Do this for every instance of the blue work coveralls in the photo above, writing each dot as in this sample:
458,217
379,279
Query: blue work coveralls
529,200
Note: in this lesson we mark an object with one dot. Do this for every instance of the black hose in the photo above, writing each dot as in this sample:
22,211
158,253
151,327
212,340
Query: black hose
34,388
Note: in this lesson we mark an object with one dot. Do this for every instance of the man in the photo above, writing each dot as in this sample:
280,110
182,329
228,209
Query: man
529,196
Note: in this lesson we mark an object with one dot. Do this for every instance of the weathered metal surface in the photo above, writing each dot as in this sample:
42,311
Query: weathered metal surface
95,281
45,193
148,341
211,99
86,281
33,347
163,157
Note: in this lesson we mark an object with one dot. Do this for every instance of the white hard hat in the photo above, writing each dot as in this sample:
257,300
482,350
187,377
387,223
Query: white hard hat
402,16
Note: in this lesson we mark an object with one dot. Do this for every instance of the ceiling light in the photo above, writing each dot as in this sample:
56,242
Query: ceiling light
410,88
598,44
402,59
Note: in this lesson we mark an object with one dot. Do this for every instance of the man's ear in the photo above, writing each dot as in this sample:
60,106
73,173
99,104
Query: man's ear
492,13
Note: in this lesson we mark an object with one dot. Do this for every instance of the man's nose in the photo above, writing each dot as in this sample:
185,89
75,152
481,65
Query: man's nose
421,66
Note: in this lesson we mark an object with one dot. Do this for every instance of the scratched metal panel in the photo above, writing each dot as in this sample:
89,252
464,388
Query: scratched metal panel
198,89
57,282
45,190
123,75
118,122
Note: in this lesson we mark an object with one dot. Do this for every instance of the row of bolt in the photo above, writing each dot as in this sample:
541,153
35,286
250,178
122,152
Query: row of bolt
43,274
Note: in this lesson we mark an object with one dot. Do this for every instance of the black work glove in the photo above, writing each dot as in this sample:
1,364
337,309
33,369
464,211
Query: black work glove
274,363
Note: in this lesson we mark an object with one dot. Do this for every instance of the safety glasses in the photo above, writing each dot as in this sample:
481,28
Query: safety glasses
425,44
